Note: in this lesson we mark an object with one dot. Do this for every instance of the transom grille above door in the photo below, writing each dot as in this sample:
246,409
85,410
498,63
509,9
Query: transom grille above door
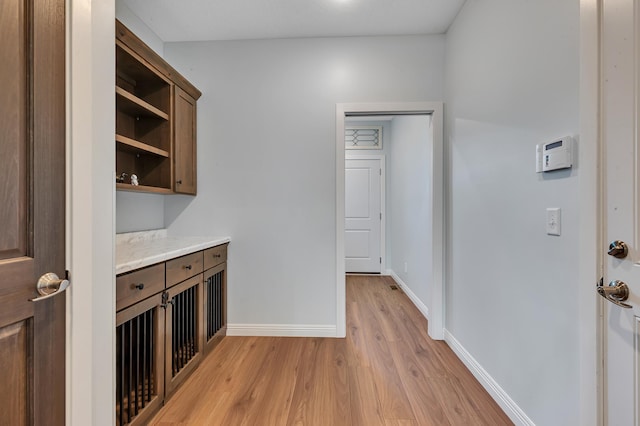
363,137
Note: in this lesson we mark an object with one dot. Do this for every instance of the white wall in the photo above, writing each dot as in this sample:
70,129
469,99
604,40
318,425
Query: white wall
512,72
266,157
139,28
135,211
410,205
139,211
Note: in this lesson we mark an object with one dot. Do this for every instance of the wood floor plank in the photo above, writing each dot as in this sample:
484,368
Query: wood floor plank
456,411
322,390
489,414
250,386
210,417
383,299
273,408
400,422
391,394
387,372
419,345
426,406
230,356
356,345
365,405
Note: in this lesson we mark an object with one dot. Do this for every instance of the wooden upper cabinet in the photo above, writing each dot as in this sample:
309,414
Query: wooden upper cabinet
184,147
155,120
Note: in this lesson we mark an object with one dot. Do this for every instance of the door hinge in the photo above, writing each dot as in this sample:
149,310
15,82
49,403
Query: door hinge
165,300
380,216
381,261
380,172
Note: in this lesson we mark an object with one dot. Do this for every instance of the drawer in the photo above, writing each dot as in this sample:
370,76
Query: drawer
215,256
138,285
183,267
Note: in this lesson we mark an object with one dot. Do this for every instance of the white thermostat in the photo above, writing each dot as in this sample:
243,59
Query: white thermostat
554,155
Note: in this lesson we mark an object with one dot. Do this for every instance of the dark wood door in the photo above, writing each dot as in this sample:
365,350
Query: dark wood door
185,142
32,201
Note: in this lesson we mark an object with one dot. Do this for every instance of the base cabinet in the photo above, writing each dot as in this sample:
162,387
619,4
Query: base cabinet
139,361
163,338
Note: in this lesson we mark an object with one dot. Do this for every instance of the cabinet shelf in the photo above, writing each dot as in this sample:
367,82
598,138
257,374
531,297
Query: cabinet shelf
137,147
131,104
142,188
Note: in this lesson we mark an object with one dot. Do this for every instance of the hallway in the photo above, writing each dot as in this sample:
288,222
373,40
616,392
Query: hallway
386,372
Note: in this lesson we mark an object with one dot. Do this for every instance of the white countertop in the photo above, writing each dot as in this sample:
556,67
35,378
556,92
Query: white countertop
136,250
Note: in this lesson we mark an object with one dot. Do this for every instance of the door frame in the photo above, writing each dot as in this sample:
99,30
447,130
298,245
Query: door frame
383,201
590,255
435,109
90,188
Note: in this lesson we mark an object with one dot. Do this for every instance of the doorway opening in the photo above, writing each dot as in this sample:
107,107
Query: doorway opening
388,199
432,183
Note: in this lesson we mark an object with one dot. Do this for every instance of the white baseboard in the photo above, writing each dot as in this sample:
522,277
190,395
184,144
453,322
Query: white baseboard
281,330
416,301
508,405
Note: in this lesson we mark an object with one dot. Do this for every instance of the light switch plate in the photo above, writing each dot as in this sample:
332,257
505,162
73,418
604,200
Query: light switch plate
553,221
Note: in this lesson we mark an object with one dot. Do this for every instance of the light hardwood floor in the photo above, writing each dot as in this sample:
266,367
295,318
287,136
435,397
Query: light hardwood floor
386,372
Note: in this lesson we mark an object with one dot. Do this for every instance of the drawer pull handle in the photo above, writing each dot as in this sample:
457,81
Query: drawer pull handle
187,267
217,255
139,286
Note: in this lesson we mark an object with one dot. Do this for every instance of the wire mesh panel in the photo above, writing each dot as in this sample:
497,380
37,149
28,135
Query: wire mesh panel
135,366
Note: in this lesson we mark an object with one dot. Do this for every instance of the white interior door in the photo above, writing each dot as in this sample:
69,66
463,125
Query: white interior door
363,215
621,214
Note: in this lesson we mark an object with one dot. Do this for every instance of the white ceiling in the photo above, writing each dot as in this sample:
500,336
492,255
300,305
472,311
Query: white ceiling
193,20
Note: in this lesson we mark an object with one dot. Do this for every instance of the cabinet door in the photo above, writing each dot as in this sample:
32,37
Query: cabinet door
215,306
139,361
184,143
184,331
